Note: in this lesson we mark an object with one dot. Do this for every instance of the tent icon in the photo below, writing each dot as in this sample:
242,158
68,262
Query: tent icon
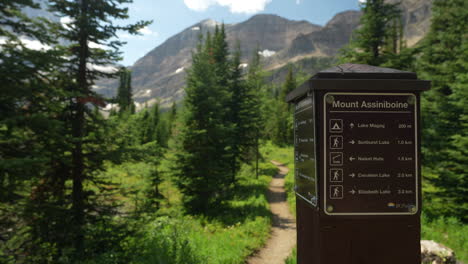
336,125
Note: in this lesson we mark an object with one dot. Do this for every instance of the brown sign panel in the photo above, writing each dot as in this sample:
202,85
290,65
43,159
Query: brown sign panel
370,154
304,151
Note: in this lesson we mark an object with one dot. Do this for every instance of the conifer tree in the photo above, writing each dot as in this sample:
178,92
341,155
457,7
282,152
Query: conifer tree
289,84
90,23
173,115
370,41
32,136
172,118
284,116
155,122
252,110
124,92
443,61
202,155
237,87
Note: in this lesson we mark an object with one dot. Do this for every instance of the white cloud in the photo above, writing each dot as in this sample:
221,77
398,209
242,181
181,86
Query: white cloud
199,5
100,68
362,1
29,43
235,6
95,45
66,21
146,31
35,44
267,53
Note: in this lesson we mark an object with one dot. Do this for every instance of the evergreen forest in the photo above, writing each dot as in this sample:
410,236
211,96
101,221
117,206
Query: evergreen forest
186,184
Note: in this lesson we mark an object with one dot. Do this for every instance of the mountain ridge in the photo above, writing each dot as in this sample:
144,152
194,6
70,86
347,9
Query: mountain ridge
160,74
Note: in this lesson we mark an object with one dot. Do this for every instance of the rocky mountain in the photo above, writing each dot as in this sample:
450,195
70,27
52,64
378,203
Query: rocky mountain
416,18
160,74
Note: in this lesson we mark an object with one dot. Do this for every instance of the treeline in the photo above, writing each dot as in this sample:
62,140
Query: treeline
227,111
442,57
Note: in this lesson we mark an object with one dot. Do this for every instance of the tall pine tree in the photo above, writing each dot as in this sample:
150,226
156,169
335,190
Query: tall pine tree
443,61
124,92
376,37
33,138
91,22
202,155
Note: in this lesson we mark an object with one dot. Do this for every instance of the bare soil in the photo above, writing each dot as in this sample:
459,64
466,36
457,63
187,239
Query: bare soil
283,232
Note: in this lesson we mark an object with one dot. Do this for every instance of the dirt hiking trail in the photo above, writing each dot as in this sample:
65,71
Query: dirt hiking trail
283,232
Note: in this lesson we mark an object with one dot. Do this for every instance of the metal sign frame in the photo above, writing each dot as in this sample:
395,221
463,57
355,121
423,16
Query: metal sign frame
310,96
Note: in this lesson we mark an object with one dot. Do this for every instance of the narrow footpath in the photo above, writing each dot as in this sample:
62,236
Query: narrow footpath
283,231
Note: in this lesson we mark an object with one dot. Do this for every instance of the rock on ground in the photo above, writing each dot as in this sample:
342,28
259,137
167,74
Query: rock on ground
435,253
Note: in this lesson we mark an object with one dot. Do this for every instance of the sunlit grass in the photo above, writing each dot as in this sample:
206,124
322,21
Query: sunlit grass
240,226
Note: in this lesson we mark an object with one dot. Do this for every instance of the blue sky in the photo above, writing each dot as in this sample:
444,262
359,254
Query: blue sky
172,16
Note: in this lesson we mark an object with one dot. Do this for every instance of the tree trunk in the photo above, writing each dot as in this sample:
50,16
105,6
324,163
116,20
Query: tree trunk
257,155
78,134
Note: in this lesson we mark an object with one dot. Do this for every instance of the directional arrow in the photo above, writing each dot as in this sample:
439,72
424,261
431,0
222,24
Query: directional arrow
352,175
352,142
352,192
351,158
351,125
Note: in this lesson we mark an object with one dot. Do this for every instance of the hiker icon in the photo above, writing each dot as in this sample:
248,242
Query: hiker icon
336,142
336,192
336,175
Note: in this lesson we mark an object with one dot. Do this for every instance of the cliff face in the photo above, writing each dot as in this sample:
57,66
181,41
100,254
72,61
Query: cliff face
416,18
160,74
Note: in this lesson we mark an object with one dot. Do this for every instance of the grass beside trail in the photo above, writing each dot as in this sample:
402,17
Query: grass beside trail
284,155
233,230
240,226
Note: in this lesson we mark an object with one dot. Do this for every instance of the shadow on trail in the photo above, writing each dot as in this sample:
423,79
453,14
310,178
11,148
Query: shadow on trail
234,208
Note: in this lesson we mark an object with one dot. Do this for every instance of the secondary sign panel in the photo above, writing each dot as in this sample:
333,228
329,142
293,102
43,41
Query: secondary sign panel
370,154
304,156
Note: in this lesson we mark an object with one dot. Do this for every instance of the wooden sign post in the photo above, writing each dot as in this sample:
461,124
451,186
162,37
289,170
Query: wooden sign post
357,166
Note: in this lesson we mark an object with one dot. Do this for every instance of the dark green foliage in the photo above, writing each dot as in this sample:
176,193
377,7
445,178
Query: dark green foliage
379,38
284,116
245,107
53,139
90,22
221,123
289,84
203,156
124,92
32,130
445,109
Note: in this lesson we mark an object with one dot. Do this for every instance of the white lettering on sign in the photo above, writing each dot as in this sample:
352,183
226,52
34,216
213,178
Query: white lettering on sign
366,105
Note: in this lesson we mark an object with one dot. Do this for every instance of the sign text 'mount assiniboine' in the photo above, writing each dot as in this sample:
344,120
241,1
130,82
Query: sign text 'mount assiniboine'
370,150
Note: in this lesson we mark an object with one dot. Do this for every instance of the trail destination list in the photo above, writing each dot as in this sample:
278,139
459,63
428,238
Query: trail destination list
370,156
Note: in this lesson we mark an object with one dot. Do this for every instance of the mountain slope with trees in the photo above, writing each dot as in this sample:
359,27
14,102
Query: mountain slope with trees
160,74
